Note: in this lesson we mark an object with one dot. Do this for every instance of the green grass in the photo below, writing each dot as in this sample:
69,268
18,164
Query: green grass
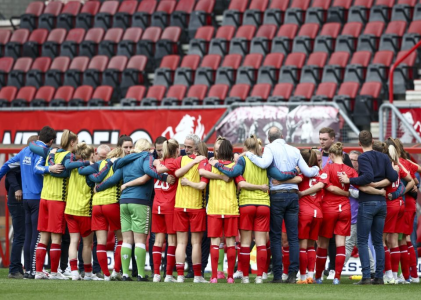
44,289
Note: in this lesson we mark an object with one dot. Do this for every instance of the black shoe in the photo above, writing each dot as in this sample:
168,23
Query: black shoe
140,278
190,274
373,275
364,281
124,278
326,272
28,276
292,278
377,281
276,281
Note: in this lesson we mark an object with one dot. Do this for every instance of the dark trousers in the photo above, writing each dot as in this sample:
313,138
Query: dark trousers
332,253
205,252
31,208
284,206
414,237
65,244
18,221
96,268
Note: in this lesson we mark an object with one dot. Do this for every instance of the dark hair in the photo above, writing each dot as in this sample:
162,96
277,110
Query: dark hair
160,140
225,151
401,151
202,149
328,130
366,139
47,134
310,157
380,147
123,138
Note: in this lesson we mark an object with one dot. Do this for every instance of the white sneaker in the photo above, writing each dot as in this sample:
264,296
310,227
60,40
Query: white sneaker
169,278
238,275
115,276
258,280
284,276
107,278
66,272
156,278
180,279
402,281
245,279
92,277
416,280
57,276
388,280
331,275
41,275
199,279
264,276
76,277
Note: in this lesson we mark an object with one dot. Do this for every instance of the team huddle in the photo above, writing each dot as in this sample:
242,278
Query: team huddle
291,204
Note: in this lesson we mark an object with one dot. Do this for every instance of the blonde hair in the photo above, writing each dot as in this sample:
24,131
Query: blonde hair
336,149
84,151
141,145
116,153
254,144
393,153
170,149
67,138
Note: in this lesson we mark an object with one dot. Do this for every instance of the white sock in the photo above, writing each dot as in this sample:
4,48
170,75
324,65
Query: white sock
310,275
125,275
303,277
126,245
395,275
140,245
389,274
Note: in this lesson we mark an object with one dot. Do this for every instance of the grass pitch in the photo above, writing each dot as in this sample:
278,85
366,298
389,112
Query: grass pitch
57,289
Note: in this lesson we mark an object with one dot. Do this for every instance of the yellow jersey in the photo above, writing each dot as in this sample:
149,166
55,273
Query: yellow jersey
79,197
254,175
108,196
54,188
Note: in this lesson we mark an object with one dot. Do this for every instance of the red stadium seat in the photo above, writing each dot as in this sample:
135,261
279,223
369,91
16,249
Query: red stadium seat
325,41
67,18
185,74
247,73
168,44
101,96
36,75
282,43
281,92
291,70
7,94
254,14
412,36
29,20
108,46
195,95
85,19
303,92
127,45
346,96
347,41
369,40
269,71
6,64
147,45
275,13
226,74
325,92
403,10
200,44
134,73
154,95
32,48
221,43
304,41
123,17
234,14
367,104
262,42
142,17
70,47
313,70
164,75
89,46
357,68
296,12
161,17
54,76
382,11
18,74
360,11
48,19
62,96
338,11
217,94
238,93
202,15
334,71
260,93
317,13
4,39
404,73
206,73
392,38
240,44
113,74
81,95
174,95
14,46
104,18
378,70
73,76
43,96
181,15
51,47
24,96
93,75
134,95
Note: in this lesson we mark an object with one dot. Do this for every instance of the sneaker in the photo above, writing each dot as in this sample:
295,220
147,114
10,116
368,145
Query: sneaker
126,278
214,280
107,278
156,278
264,276
15,275
57,276
28,276
416,280
284,276
245,279
180,279
230,280
220,275
388,280
140,278
93,277
310,280
66,272
302,282
238,275
258,280
199,279
41,275
331,275
190,274
318,281
115,276
336,281
170,278
99,275
82,274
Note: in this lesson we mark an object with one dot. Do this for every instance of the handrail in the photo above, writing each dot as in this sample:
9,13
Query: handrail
398,62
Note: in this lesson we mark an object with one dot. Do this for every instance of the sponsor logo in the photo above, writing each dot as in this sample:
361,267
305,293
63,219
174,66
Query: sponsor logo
27,160
185,127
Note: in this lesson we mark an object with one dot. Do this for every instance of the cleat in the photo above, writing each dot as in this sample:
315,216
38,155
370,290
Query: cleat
238,275
331,275
220,275
115,276
76,277
258,280
284,276
416,280
336,281
264,276
245,279
214,280
302,282
318,281
92,277
126,278
107,278
230,280
41,275
57,276
140,278
156,278
310,280
169,278
180,279
199,279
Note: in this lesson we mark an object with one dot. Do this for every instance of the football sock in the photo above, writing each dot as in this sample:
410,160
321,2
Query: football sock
261,259
339,261
55,254
157,256
140,253
170,259
101,254
117,257
126,256
321,257
40,256
231,257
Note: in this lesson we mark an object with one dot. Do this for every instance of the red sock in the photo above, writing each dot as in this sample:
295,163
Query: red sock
170,259
197,269
73,264
387,259
55,253
268,257
101,254
404,261
303,261
40,256
180,269
413,264
88,268
261,259
311,259
285,259
395,257
244,259
321,257
117,257
231,257
339,261
214,252
157,255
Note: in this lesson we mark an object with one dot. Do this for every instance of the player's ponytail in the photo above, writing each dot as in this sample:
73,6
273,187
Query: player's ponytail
393,154
225,151
202,149
253,144
336,149
84,151
170,149
310,157
116,153
67,138
380,147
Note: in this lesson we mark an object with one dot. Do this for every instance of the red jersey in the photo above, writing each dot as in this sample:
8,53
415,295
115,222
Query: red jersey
393,187
410,202
330,177
310,204
164,200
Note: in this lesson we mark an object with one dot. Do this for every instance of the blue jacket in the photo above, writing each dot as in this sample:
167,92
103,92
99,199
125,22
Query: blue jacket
32,170
13,183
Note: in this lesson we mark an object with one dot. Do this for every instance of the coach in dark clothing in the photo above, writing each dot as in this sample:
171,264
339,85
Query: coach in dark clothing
15,205
373,167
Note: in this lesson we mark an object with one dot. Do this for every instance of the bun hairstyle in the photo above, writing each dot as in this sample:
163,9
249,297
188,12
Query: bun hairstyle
310,157
67,138
380,147
170,149
84,151
254,144
116,153
141,145
336,149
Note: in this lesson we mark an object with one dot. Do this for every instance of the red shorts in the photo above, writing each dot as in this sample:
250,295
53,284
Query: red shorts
51,216
106,217
256,218
163,223
308,227
226,226
395,218
195,219
78,224
338,223
409,222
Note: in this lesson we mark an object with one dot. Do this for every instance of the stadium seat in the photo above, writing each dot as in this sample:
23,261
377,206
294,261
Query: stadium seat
6,65
378,70
346,96
108,46
113,74
238,93
313,70
254,14
174,95
259,93
127,45
325,92
195,95
154,96
234,14
228,71
185,74
32,48
70,46
240,44
43,96
62,96
168,44
200,44
14,47
303,92
4,39
206,73
220,44
370,38
36,75
202,15
101,96
347,41
51,47
18,74
356,70
89,46
67,18
326,39
403,10
334,71
217,94
142,17
48,19
275,13
181,15
412,36
262,42
281,92
123,17
392,37
338,11
134,95
29,20
161,17
96,67
24,96
291,70
54,76
81,96
304,41
104,18
269,71
247,73
405,73
147,44
317,13
134,73
360,11
296,12
7,94
282,43
382,11
165,74
85,19
73,76
367,104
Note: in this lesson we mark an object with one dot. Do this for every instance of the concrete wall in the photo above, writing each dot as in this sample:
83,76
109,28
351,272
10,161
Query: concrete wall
10,8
